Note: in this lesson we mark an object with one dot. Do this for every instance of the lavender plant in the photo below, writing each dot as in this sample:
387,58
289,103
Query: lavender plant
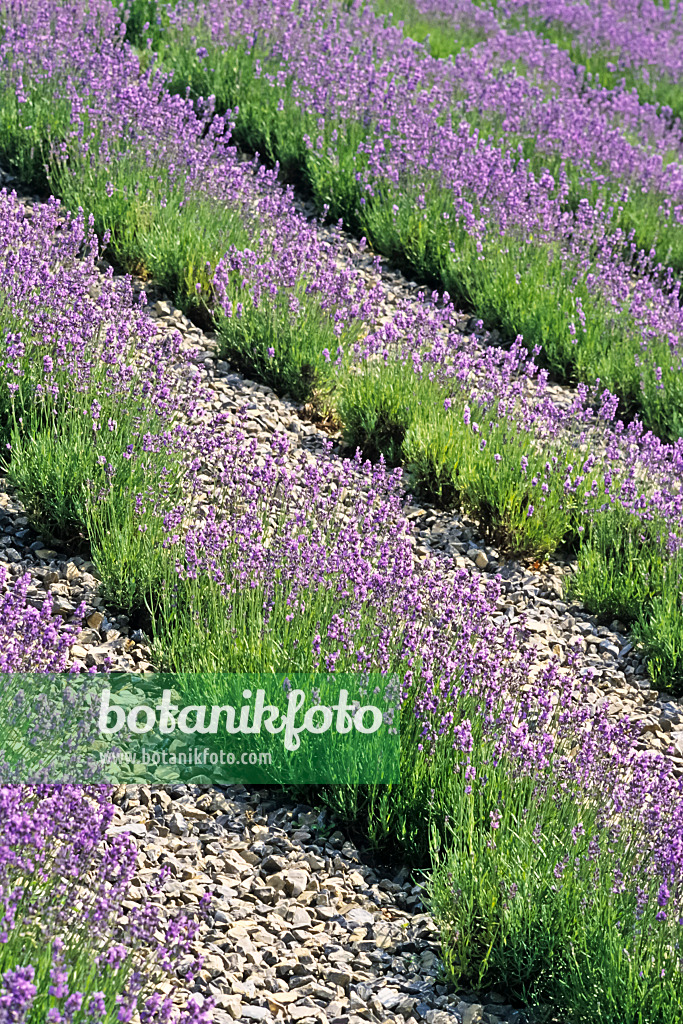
630,566
561,919
284,317
85,407
67,953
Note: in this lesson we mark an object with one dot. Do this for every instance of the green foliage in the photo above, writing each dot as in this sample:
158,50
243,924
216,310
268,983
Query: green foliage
521,286
81,489
286,341
455,456
625,570
143,20
528,904
526,885
26,135
154,227
660,629
620,567
85,975
441,39
196,629
92,461
401,820
377,403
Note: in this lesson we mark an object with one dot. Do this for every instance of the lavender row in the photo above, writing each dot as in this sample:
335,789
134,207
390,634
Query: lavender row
519,87
635,43
74,411
384,147
569,331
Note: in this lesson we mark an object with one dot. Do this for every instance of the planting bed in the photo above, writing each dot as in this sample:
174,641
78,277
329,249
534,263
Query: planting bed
268,450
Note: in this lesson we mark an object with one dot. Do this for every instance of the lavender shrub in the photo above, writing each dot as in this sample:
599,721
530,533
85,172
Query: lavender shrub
67,951
86,412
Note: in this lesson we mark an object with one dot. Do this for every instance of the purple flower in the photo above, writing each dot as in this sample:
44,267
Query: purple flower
17,993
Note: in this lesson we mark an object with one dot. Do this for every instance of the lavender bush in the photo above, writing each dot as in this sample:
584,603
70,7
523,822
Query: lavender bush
577,884
67,952
86,413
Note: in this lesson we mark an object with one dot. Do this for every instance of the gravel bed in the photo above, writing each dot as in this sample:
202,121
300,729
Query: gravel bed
301,925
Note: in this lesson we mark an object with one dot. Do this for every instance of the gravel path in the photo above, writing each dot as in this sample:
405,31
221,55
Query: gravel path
301,927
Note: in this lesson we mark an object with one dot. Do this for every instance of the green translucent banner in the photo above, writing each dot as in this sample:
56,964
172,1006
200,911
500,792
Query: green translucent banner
224,729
